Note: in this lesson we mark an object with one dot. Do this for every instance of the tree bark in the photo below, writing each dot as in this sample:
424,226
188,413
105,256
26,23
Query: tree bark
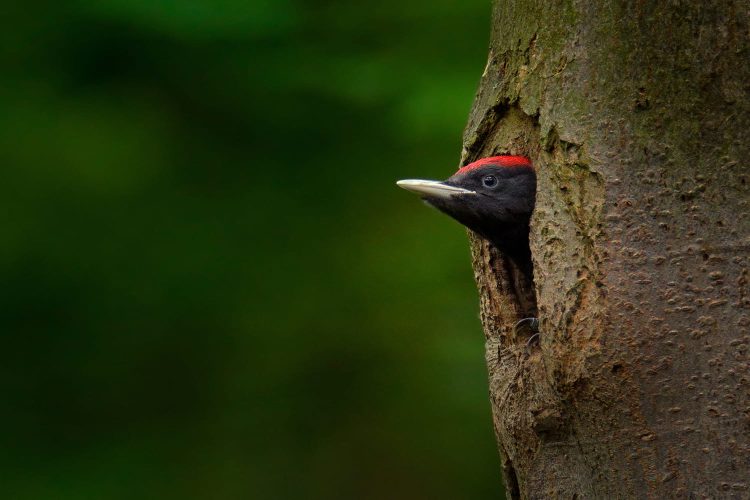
637,117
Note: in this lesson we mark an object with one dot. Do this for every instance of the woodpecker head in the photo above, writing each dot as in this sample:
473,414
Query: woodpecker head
493,197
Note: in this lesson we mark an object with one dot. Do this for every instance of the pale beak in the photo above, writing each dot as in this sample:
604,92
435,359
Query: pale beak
434,189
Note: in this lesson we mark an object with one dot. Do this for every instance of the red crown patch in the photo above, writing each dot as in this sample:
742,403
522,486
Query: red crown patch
502,161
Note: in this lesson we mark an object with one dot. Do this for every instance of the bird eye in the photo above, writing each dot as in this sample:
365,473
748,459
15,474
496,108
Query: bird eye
489,181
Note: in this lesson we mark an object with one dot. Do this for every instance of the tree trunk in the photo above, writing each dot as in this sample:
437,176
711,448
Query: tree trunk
637,117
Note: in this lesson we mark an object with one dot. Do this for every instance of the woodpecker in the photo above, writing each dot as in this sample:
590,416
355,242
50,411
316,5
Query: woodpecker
494,197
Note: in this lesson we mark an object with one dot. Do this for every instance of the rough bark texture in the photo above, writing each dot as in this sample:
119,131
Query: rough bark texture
637,117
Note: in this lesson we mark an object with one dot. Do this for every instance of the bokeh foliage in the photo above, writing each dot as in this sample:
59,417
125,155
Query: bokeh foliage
211,286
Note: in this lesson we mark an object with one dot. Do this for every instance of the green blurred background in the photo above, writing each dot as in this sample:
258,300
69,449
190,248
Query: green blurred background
211,287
